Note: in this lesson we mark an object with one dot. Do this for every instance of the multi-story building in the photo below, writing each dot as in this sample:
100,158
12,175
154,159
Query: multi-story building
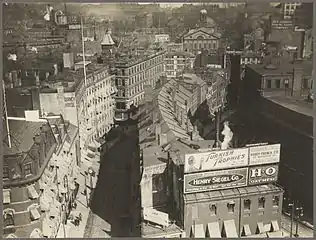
33,199
133,74
281,110
89,102
178,62
288,9
204,38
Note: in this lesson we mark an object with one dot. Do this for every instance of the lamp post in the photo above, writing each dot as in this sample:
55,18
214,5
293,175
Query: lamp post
299,213
292,205
63,208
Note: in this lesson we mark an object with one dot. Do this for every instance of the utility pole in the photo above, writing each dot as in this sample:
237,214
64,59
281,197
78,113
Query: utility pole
292,205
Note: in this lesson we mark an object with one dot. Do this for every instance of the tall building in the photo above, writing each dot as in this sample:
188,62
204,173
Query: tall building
177,62
133,74
40,163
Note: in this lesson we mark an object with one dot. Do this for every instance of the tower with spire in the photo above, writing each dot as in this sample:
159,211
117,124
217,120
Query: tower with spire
107,42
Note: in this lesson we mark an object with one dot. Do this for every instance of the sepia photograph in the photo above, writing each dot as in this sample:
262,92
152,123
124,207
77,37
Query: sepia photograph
157,119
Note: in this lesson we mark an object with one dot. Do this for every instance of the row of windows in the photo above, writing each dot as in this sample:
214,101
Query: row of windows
140,77
247,205
142,66
277,83
99,86
209,45
27,170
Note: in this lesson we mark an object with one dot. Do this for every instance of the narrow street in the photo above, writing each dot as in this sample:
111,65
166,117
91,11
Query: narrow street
112,194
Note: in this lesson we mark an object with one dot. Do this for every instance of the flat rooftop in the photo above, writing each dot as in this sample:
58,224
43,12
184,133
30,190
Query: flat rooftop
298,105
285,67
149,230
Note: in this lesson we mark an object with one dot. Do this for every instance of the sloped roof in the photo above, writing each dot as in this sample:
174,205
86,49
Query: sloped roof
22,133
107,39
207,30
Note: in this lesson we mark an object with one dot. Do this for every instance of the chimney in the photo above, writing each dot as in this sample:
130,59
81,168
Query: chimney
55,69
10,78
297,82
46,76
68,59
37,80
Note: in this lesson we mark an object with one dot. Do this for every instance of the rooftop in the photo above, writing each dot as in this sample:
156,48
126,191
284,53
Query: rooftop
226,193
149,230
180,54
130,58
22,133
298,105
284,68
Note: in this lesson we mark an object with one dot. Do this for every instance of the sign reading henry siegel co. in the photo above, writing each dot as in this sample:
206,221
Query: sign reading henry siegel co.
215,160
264,154
215,180
263,174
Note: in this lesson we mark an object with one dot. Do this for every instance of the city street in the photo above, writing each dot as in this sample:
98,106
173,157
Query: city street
111,198
303,231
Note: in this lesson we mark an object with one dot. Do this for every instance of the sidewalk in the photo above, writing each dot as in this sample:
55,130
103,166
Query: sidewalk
70,230
303,230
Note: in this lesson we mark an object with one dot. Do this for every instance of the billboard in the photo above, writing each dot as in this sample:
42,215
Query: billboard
215,160
264,154
263,174
215,180
282,24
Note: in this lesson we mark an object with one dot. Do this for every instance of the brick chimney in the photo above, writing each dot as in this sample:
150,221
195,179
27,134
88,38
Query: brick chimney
297,82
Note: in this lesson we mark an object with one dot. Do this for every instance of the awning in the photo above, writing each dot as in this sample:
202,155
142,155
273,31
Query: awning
213,230
45,203
230,229
197,231
34,214
11,235
47,229
260,227
275,234
36,233
6,196
261,235
267,227
275,226
32,192
246,230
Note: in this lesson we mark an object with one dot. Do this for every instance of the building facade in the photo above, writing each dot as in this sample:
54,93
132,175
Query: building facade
32,203
204,38
177,62
131,78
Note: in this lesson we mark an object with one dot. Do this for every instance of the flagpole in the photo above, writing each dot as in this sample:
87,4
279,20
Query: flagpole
6,114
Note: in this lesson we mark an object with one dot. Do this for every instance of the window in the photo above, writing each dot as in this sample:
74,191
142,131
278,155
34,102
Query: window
5,172
8,219
213,209
275,201
231,207
247,204
119,82
286,83
305,83
261,202
28,169
277,83
268,81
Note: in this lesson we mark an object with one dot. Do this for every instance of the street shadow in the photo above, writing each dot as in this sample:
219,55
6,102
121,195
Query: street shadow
112,195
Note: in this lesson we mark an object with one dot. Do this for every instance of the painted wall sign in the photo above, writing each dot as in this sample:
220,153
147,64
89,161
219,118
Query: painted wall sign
215,180
215,160
152,215
263,174
264,154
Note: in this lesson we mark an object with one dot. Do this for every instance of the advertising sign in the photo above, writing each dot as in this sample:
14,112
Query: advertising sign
216,180
74,26
263,174
215,160
264,154
282,24
155,216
